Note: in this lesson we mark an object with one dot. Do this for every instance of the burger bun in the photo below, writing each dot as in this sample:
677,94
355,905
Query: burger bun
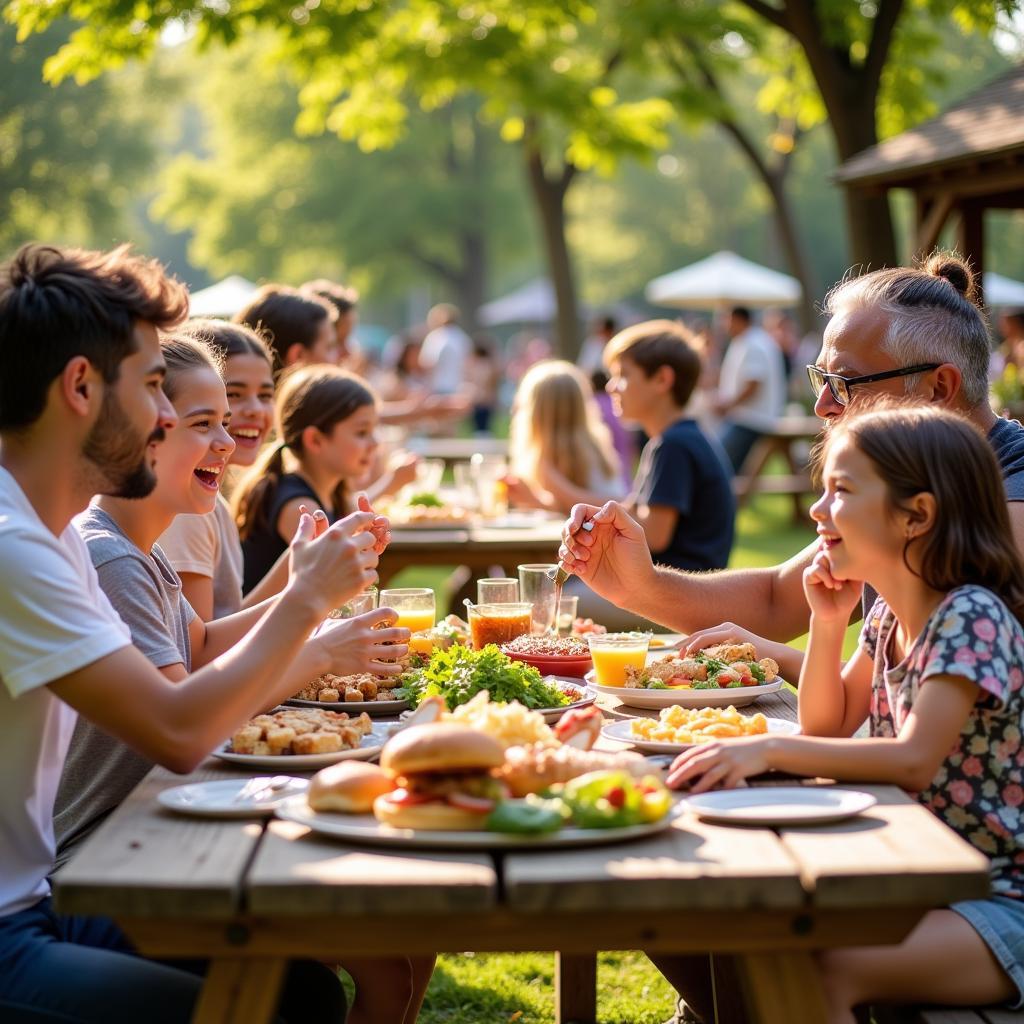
441,747
348,786
436,816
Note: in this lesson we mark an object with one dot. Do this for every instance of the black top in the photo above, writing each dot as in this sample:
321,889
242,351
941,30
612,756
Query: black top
685,470
263,547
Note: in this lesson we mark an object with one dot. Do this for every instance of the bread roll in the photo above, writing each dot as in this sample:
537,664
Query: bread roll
349,786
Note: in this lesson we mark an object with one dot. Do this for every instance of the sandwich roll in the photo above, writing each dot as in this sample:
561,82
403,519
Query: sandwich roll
348,786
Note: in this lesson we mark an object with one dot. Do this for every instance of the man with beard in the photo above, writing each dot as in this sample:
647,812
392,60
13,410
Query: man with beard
82,411
901,331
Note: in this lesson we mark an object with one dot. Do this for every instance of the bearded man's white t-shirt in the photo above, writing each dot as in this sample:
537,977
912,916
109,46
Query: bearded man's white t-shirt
54,619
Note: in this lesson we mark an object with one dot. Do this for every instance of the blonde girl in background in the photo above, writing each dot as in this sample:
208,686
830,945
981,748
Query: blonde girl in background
205,550
561,450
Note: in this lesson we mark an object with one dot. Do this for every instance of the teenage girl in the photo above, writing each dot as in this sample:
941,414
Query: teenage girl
326,421
121,535
562,452
205,550
913,505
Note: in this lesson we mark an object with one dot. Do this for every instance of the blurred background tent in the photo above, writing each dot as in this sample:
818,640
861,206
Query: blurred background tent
1002,291
723,279
225,298
533,303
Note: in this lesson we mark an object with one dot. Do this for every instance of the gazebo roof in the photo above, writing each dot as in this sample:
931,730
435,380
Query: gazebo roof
985,125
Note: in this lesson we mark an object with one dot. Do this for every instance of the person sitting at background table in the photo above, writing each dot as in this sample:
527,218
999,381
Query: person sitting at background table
298,327
561,452
346,305
82,411
120,533
326,421
913,504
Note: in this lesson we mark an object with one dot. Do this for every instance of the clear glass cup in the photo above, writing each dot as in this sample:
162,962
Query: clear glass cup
496,590
465,486
489,472
429,473
613,653
364,602
415,606
567,607
498,623
537,585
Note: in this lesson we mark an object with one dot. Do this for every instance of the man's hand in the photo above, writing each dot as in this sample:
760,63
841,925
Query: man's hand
613,557
332,568
365,643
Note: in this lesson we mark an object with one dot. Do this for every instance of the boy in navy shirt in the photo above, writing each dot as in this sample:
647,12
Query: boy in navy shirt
682,493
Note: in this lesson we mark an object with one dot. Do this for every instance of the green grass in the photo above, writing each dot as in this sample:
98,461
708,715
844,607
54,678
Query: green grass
518,988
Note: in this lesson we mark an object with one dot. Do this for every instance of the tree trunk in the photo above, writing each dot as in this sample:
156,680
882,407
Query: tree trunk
796,258
472,287
549,201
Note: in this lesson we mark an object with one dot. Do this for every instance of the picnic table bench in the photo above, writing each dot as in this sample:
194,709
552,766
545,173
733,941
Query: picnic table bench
249,895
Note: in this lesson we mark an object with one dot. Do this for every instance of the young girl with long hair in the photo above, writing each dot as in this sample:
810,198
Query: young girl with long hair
913,505
121,535
562,452
205,550
326,422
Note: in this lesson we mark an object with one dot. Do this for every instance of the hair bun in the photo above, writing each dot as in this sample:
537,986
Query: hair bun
956,270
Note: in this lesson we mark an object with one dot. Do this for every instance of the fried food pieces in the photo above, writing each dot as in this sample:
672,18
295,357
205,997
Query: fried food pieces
300,731
697,725
332,689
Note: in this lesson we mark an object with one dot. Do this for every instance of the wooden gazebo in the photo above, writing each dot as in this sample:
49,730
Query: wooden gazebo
966,160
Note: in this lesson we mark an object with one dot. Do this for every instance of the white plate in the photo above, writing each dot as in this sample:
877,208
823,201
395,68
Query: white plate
554,714
369,747
374,708
737,696
780,805
364,828
622,732
670,642
221,798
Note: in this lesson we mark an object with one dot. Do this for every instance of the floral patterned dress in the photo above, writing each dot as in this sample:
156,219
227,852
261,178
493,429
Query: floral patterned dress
979,789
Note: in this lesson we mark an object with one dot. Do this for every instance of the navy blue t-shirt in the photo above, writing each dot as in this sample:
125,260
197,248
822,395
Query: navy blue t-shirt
682,469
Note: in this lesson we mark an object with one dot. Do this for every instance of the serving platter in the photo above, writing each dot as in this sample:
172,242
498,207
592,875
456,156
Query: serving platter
737,696
368,748
554,714
621,731
374,708
231,798
779,805
364,828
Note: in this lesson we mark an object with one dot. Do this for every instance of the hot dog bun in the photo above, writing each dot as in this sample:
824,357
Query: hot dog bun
531,769
349,786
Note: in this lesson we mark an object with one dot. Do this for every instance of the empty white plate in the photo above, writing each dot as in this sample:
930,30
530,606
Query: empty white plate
231,798
780,805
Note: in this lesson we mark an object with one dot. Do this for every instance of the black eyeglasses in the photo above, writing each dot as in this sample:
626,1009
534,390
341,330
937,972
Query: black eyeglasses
840,387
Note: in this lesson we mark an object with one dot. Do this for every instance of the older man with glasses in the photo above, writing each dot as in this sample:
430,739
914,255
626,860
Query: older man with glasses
896,332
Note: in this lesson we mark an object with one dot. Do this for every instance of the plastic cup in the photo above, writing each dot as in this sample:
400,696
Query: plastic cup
496,590
613,653
414,605
537,585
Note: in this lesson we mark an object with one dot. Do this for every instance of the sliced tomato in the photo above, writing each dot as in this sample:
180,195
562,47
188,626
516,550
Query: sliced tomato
408,798
476,804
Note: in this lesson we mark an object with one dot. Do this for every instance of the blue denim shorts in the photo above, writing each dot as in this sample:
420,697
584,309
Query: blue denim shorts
999,921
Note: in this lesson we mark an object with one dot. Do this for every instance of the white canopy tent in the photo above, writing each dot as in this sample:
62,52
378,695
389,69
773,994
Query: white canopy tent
723,279
533,303
225,298
1002,291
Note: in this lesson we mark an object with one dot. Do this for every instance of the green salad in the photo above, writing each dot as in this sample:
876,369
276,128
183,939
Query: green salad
458,674
427,499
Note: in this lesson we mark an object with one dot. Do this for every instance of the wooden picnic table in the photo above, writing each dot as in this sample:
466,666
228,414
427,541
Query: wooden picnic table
456,449
249,896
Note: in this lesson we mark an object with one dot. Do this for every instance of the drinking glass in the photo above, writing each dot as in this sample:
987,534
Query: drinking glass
613,653
497,591
567,614
465,485
497,623
537,585
364,602
414,605
489,472
429,473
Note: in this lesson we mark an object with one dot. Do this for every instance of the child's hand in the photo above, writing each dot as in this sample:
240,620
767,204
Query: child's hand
726,633
830,600
380,527
402,466
722,765
357,645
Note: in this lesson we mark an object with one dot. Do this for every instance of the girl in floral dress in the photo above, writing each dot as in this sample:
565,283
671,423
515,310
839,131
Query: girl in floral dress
914,505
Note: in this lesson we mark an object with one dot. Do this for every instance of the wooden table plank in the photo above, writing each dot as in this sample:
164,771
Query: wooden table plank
895,854
692,866
147,861
296,872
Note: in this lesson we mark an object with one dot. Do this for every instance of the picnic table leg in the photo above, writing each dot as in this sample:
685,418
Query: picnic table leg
575,988
240,990
783,987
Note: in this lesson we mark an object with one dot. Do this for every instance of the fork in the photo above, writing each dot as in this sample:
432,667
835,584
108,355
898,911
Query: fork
255,789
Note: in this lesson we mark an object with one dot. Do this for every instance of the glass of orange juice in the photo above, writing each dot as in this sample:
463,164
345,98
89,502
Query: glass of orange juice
415,606
613,653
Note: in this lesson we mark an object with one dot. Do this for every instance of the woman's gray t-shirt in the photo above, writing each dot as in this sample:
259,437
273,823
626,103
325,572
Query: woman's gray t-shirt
100,771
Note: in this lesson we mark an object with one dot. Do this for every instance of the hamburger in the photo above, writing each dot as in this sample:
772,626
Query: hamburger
348,786
443,779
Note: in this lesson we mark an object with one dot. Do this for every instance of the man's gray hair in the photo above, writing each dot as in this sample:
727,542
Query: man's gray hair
932,317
